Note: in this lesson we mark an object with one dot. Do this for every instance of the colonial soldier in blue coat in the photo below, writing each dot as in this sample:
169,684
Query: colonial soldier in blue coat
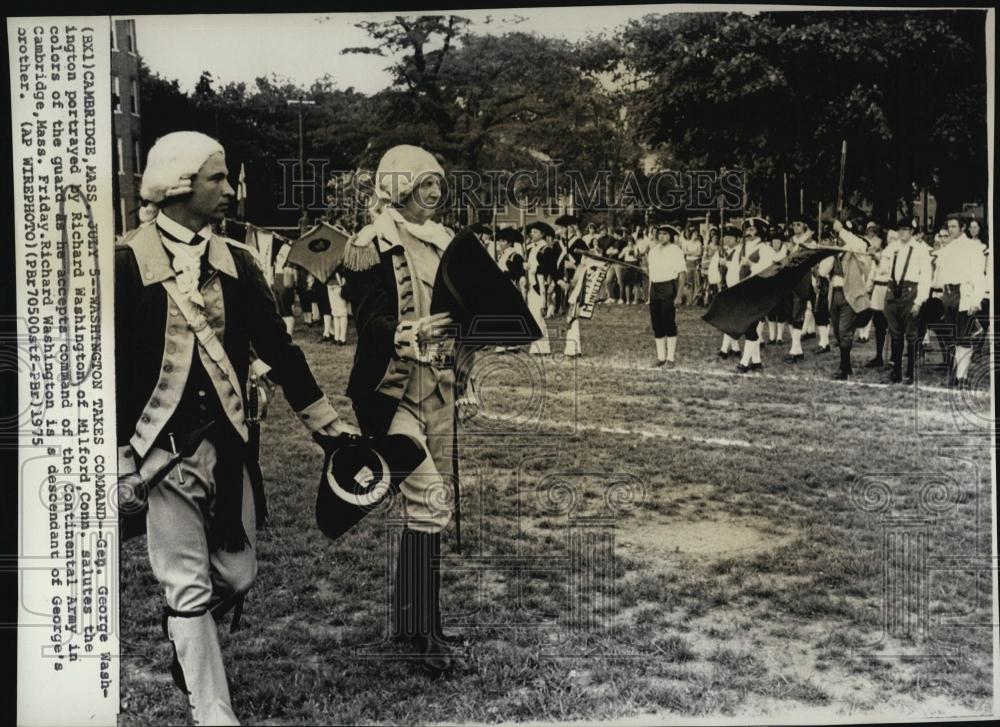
189,305
402,381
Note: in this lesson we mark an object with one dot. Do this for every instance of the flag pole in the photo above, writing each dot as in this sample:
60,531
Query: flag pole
746,176
786,198
819,222
840,184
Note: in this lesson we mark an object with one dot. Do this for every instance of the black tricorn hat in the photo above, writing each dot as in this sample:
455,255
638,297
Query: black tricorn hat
544,227
480,297
510,234
358,474
567,220
731,231
480,229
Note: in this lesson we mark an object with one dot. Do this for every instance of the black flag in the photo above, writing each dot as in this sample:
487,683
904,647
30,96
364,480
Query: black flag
737,308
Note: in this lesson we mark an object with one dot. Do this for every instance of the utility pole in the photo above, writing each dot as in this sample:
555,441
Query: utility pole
300,102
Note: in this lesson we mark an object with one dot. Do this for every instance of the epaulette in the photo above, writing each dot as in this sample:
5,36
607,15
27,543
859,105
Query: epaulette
361,252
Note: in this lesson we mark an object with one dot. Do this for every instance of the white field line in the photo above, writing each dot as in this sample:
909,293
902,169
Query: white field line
637,367
656,433
575,396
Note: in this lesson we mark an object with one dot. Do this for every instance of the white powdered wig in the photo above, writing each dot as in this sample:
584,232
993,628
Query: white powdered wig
401,168
172,162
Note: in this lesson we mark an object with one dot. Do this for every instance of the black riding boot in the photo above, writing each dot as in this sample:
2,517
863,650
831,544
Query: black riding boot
896,352
404,627
416,607
845,365
911,360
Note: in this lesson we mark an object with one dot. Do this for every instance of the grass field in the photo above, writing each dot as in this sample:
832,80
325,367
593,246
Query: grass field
638,543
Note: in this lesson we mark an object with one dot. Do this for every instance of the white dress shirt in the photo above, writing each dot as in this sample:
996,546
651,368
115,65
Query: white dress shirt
894,268
961,263
666,261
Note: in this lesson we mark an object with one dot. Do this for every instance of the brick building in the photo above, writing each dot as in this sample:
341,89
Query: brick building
126,151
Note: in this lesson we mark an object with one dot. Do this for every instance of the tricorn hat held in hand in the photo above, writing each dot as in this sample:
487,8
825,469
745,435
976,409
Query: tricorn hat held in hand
480,297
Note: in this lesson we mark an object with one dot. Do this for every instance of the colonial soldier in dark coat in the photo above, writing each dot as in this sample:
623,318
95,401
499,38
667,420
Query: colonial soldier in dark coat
189,305
401,382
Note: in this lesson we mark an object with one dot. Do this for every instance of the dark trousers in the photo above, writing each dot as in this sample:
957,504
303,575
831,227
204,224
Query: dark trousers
662,313
285,297
983,316
842,318
821,303
321,298
881,327
902,324
802,293
958,324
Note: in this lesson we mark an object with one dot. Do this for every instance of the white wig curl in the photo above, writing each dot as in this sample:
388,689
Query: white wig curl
172,162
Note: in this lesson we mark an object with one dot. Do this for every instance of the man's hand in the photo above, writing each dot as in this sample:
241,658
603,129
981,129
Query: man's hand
974,309
337,427
838,225
414,338
916,309
433,328
469,403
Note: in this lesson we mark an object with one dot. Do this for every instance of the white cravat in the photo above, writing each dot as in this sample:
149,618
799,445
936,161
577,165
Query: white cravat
429,231
187,255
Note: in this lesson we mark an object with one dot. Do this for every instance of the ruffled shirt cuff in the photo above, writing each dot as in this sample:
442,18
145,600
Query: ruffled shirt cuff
317,415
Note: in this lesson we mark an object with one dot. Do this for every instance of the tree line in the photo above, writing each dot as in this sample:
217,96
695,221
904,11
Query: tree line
772,94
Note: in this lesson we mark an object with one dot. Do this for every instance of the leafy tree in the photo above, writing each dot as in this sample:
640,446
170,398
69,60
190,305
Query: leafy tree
776,93
516,101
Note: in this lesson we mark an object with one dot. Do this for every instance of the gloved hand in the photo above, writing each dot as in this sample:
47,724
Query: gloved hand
414,339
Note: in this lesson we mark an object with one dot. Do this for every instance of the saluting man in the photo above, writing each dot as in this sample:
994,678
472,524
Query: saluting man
667,272
848,293
906,266
959,274
189,305
402,382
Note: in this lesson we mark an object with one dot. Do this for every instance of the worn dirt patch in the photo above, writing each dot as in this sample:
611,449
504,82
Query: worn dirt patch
709,538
